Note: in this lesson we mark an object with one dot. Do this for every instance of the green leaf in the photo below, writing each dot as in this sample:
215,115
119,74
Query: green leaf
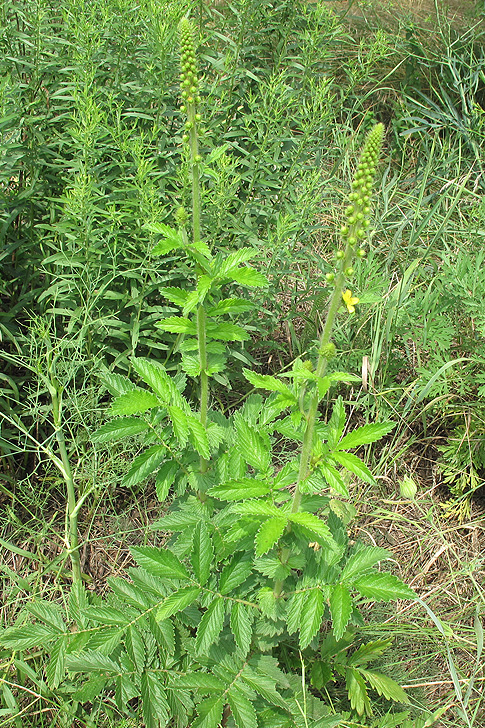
107,615
129,593
241,489
311,616
253,447
269,533
210,626
24,638
383,587
263,682
336,423
334,479
175,295
156,710
48,613
242,255
369,651
166,476
135,402
235,572
248,276
256,508
264,381
159,562
355,465
198,436
225,331
135,647
144,465
359,700
312,523
385,686
91,661
155,375
55,668
242,710
210,713
201,681
172,238
177,325
118,429
202,553
295,606
179,422
365,435
230,305
361,560
340,609
241,626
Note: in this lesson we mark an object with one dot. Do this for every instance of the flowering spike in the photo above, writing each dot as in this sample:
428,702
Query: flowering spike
189,82
357,213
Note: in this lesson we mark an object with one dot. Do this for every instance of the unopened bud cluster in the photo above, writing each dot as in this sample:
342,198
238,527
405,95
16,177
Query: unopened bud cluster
357,212
188,65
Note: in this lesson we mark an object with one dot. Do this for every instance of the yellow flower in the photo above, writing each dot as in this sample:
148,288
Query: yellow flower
349,300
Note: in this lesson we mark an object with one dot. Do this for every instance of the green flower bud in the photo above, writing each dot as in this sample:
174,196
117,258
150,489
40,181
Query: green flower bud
329,277
408,488
339,254
361,253
181,216
349,272
328,351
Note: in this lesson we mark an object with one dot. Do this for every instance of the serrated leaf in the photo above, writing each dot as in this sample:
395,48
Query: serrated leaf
24,638
202,553
48,613
225,331
198,436
241,489
175,295
247,276
159,562
179,422
177,325
293,616
154,701
355,465
230,305
135,647
334,479
242,710
269,533
264,381
166,476
105,640
155,375
90,690
255,449
129,593
107,615
256,508
340,609
336,423
359,700
312,523
311,616
55,668
362,560
135,402
365,435
202,681
235,572
91,661
118,429
241,626
263,682
210,626
383,587
234,259
116,384
369,651
210,713
385,686
144,465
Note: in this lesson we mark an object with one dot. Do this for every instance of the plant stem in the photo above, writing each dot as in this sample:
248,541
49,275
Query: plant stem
71,532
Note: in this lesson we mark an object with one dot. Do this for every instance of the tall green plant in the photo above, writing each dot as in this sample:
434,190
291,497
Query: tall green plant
220,625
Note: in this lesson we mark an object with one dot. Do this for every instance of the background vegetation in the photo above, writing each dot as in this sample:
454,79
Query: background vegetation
92,160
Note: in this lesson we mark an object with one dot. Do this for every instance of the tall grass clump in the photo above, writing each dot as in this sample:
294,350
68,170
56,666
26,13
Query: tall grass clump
252,608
